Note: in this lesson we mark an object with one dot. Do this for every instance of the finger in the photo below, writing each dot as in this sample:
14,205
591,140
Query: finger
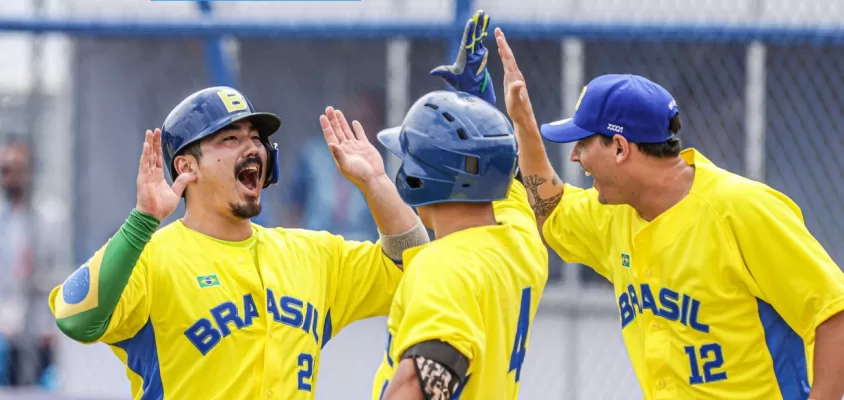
182,182
504,50
469,35
508,60
143,163
481,23
156,147
359,132
327,130
335,124
468,31
347,130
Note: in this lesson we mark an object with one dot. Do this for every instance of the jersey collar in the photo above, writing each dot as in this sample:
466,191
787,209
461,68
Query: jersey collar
694,157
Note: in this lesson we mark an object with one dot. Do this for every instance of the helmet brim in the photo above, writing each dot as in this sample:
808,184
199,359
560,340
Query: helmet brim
265,123
390,138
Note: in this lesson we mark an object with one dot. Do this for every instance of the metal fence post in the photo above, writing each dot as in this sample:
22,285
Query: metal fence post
398,92
754,118
572,66
220,67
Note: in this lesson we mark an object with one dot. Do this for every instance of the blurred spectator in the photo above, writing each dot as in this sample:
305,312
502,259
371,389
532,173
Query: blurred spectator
319,197
31,264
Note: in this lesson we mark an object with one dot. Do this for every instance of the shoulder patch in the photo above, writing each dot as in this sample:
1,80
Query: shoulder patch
76,287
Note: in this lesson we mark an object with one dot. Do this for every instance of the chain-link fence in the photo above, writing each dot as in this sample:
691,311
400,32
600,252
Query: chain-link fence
761,101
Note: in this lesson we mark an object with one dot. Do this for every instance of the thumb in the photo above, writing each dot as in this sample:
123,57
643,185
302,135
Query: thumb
445,72
182,182
516,88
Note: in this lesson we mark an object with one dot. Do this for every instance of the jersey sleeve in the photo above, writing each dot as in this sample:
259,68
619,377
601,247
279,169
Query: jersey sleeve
107,299
440,302
788,268
515,209
364,281
574,229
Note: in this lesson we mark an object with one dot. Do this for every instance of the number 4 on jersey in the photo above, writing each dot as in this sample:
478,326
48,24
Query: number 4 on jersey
517,357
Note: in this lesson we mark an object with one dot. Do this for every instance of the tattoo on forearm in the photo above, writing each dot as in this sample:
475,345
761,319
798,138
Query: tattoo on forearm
437,382
541,207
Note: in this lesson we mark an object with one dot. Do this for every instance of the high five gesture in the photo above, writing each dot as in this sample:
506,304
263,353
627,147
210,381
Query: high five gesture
155,196
515,91
544,187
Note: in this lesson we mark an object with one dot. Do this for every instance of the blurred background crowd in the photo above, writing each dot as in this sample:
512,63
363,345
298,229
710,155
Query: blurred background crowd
759,84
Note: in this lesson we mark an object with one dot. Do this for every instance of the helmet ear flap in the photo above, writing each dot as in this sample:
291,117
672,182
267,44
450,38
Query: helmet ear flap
273,170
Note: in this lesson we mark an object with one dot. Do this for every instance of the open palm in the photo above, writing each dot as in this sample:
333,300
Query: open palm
155,196
519,108
356,158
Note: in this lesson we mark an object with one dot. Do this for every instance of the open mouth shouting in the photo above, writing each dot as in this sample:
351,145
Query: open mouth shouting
248,174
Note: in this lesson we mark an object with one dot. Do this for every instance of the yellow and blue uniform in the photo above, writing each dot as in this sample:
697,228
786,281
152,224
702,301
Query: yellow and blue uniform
719,297
477,290
201,318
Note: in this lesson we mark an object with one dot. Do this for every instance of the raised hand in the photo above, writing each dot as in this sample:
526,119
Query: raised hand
155,196
357,159
469,73
515,91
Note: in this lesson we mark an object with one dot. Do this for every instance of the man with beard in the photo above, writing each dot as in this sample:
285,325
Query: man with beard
213,305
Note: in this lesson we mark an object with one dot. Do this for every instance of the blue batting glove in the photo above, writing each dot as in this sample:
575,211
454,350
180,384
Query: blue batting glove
469,73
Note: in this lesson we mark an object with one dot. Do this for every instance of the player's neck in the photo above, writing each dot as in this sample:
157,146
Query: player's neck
661,187
453,217
216,225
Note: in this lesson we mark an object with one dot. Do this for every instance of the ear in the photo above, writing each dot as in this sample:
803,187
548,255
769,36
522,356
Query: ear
621,146
185,163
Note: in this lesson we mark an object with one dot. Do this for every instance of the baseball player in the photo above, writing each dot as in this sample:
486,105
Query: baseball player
460,321
213,306
722,291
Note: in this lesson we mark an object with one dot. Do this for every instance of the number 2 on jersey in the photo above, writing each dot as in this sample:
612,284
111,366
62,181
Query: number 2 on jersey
306,363
713,357
517,357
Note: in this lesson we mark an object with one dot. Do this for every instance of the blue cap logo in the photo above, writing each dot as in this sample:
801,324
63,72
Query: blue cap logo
626,105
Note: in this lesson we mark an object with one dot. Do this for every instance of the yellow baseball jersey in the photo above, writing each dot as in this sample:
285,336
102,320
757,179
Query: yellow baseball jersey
478,290
206,319
719,296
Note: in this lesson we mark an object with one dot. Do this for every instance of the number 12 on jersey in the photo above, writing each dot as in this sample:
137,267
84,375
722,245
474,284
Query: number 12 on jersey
517,357
713,358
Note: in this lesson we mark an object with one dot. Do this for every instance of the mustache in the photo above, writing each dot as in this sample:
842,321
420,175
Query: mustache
246,163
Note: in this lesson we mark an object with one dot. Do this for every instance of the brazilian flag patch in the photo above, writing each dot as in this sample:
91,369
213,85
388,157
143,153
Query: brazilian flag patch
206,281
625,260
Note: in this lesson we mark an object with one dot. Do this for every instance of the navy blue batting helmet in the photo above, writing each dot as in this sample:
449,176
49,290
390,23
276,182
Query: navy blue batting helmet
206,112
454,147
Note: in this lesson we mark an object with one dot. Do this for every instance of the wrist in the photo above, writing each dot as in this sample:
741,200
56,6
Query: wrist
375,184
141,212
143,221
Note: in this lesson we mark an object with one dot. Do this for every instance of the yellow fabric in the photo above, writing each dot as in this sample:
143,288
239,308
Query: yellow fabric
719,296
466,289
256,328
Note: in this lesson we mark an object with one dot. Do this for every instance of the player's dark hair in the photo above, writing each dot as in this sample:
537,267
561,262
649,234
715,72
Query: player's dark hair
667,149
194,150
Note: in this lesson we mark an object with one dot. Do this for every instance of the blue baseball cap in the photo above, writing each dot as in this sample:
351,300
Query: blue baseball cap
626,105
